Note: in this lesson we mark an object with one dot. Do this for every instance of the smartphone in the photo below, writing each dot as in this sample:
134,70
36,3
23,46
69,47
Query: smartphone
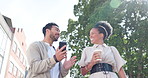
61,44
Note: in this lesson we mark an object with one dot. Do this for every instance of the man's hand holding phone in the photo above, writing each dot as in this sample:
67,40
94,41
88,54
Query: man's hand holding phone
61,52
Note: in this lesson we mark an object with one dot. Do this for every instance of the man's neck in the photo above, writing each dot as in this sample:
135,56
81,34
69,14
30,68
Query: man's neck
50,42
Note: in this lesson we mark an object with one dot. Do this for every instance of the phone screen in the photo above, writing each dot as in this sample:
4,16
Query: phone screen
61,44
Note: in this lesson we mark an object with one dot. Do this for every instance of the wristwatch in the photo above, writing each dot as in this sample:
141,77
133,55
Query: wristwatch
55,58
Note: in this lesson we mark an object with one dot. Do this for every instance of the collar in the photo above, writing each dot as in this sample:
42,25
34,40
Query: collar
47,43
103,45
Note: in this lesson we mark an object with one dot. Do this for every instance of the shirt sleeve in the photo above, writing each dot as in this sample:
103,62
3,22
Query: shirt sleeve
63,71
83,57
118,59
36,63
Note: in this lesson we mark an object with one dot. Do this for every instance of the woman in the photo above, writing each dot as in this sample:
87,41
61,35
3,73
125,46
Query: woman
105,63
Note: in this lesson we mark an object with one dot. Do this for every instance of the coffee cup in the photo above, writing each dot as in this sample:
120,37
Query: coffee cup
100,54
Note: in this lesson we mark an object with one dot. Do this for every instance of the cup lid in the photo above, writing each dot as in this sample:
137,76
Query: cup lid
97,50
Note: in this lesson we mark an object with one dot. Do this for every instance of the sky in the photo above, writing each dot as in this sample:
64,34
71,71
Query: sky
32,15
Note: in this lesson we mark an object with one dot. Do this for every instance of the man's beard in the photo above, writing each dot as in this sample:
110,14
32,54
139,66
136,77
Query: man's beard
53,38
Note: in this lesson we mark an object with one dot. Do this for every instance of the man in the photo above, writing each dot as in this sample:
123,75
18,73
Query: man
44,60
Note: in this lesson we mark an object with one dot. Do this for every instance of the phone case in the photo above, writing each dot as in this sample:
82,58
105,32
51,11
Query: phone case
61,44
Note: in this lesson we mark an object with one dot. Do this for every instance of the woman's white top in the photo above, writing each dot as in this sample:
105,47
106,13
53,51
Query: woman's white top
109,55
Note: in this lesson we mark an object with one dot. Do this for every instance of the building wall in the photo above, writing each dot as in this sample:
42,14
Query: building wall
18,59
13,61
5,44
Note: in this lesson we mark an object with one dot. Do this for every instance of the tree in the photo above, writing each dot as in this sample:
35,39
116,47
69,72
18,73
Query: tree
135,39
129,21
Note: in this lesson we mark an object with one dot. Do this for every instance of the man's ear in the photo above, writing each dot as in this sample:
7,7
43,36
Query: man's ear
47,31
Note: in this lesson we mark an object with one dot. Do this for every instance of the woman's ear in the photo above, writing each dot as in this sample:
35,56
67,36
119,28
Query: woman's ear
102,35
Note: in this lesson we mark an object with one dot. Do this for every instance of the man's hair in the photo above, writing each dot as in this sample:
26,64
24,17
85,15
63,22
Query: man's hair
48,26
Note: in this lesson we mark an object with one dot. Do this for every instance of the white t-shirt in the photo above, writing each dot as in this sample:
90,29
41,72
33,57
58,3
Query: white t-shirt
54,72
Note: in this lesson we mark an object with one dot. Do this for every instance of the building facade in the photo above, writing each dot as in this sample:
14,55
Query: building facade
12,50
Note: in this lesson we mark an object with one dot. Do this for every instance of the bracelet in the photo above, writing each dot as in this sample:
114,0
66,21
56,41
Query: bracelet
87,68
83,67
55,58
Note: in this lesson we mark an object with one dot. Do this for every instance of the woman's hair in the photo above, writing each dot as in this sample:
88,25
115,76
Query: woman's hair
105,28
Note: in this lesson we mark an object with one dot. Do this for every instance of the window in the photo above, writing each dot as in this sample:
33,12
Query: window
15,71
1,51
22,76
14,47
11,67
22,44
1,35
1,62
18,52
21,58
18,74
24,62
3,44
3,41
